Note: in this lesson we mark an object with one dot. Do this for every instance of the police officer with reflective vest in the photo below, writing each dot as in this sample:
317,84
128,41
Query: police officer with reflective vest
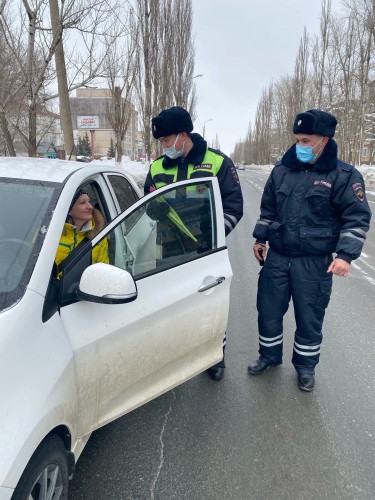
313,205
186,156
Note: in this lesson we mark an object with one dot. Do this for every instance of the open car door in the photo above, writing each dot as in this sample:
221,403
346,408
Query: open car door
172,243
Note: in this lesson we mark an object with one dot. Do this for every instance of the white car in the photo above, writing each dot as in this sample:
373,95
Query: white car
83,350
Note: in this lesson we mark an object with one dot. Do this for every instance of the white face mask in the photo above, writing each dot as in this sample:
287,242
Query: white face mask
172,152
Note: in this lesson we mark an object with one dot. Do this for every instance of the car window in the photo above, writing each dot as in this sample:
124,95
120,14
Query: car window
168,230
123,190
25,212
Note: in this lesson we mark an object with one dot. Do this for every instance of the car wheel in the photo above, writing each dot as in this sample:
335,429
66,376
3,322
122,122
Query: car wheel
46,476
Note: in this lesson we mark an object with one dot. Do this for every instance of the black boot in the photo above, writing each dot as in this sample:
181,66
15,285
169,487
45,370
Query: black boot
306,382
260,366
216,373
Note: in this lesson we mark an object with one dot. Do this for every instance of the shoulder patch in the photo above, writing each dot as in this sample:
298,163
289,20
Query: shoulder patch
359,191
234,173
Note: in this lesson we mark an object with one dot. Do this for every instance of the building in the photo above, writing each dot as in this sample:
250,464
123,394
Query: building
90,114
46,149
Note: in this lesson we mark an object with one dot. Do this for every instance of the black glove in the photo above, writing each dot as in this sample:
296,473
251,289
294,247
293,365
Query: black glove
157,210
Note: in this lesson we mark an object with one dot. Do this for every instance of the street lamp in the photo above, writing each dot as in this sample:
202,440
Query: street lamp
204,125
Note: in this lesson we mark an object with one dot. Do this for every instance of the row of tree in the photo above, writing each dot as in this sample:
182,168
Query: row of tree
334,71
142,50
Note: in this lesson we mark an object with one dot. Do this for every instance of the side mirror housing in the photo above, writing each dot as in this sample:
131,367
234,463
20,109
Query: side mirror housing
106,284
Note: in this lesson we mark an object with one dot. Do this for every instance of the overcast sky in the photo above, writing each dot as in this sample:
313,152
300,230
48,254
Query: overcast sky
241,45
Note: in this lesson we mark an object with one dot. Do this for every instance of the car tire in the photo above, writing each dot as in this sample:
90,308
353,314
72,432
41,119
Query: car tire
46,475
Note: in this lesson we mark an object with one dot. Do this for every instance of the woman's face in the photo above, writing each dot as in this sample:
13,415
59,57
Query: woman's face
81,211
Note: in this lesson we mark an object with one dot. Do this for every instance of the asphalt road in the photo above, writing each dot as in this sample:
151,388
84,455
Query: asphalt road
253,438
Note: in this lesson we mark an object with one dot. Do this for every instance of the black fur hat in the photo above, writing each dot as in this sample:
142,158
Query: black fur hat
171,121
316,122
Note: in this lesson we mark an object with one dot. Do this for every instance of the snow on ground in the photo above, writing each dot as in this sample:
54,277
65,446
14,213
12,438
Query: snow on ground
139,169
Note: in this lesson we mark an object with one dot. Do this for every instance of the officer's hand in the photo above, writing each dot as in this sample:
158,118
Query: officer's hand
157,210
339,267
260,252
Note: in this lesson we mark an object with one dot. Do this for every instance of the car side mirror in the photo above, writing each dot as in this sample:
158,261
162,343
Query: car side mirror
106,284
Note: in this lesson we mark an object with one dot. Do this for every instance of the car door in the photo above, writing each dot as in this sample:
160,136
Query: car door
173,243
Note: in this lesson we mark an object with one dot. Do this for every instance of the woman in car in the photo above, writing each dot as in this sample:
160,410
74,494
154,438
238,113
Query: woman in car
83,222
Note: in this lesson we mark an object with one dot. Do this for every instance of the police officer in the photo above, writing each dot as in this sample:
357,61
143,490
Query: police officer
187,156
313,205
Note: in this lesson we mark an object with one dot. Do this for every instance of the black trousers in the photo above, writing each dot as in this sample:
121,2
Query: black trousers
306,281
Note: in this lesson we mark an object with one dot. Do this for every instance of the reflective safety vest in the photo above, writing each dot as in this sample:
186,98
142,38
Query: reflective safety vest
209,167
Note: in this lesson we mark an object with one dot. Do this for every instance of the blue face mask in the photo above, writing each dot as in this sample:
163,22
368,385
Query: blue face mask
305,153
172,152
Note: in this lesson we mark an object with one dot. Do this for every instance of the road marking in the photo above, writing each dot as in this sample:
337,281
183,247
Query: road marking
366,276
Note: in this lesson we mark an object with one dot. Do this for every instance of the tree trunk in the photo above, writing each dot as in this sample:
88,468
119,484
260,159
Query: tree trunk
32,130
65,114
7,137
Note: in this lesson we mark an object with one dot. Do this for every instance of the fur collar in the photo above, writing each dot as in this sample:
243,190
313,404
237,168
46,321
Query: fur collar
325,163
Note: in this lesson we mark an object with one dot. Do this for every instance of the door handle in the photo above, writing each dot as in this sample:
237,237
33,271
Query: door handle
216,282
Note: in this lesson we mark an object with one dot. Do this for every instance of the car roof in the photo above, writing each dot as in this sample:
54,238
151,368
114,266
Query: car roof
43,169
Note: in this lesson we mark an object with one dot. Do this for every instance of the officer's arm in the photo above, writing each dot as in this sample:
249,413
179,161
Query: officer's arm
355,217
268,211
148,185
231,194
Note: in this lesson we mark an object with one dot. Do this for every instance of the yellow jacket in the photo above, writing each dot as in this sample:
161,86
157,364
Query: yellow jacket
70,238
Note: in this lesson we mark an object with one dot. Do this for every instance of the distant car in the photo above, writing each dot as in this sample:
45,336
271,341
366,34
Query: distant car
83,350
83,159
241,167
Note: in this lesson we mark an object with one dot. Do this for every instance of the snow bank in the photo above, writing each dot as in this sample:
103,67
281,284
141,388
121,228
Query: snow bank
368,172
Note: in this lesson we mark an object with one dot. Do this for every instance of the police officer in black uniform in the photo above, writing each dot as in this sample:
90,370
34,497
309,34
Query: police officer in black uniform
313,205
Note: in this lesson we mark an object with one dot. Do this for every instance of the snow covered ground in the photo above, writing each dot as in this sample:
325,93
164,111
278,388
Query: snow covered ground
139,171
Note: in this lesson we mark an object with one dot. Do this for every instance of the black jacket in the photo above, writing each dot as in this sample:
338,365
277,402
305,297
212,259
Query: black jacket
227,176
316,208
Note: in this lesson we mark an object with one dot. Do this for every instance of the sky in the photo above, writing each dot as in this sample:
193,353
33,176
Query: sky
240,47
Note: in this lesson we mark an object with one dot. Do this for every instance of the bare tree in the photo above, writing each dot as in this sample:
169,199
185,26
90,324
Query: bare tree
166,59
62,81
45,32
301,73
121,70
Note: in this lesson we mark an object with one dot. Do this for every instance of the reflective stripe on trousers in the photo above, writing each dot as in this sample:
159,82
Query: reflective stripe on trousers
305,280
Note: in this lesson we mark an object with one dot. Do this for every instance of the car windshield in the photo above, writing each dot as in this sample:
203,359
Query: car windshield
25,213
